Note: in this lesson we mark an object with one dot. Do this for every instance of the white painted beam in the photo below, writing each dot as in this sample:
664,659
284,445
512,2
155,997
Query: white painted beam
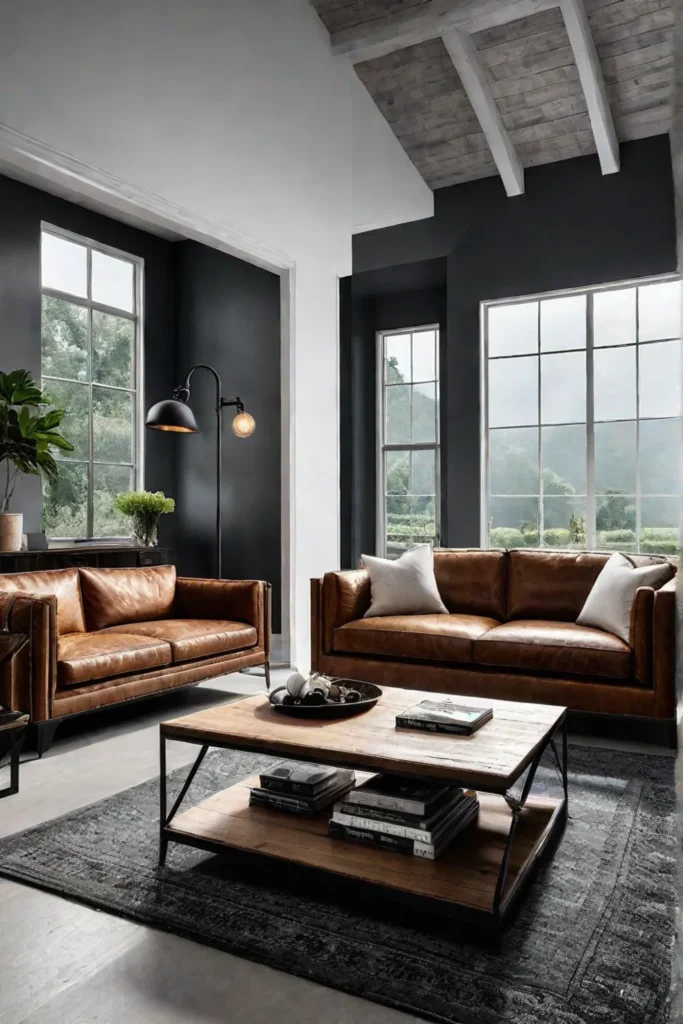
394,32
592,83
464,55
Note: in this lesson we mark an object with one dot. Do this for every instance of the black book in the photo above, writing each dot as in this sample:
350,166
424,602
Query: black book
444,716
393,793
438,811
401,844
304,779
307,806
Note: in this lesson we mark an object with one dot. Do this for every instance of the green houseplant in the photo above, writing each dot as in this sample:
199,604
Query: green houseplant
28,436
145,509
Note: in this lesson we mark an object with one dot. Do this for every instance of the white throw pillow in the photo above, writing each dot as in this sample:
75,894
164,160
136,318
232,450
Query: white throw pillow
406,586
608,606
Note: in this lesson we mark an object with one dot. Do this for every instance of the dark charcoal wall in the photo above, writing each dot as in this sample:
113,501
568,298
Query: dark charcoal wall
572,227
379,300
229,317
22,209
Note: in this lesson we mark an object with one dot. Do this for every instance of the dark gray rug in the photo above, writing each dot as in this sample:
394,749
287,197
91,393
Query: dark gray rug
590,944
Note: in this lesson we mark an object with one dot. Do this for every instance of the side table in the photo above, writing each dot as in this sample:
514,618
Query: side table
12,734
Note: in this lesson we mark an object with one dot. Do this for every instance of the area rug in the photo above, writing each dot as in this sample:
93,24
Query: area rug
591,942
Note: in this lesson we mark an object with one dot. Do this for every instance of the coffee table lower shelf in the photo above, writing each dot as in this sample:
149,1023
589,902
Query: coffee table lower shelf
461,883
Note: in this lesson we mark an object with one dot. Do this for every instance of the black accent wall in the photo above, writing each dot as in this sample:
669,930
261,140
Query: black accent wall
229,317
573,227
200,305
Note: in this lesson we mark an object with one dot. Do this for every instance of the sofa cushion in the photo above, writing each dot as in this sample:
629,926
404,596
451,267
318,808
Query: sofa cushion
543,646
474,582
555,584
194,638
87,657
421,637
63,583
114,596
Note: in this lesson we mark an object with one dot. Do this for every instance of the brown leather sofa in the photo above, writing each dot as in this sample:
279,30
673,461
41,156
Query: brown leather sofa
510,634
103,636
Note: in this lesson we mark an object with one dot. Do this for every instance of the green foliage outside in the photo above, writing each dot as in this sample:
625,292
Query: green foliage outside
28,432
93,396
144,508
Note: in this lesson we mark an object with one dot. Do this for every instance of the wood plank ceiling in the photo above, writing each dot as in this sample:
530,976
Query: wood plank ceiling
531,79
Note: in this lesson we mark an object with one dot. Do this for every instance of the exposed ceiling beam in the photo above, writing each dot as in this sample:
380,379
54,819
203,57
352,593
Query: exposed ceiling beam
465,57
593,83
394,32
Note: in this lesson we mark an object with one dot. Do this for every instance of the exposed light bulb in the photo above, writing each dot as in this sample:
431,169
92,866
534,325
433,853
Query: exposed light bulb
243,424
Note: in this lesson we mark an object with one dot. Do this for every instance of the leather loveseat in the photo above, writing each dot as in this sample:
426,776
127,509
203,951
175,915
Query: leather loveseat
103,636
510,634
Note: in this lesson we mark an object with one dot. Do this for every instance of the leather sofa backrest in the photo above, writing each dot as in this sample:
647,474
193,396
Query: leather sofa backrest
555,584
114,596
472,581
63,583
551,584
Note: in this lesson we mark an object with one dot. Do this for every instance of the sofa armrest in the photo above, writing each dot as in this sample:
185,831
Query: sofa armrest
345,597
239,600
664,650
29,680
640,634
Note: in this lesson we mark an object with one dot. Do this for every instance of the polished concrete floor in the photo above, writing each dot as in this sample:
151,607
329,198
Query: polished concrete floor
60,962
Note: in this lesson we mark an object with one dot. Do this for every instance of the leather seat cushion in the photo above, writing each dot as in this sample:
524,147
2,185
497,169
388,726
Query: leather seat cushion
542,646
89,657
194,638
420,637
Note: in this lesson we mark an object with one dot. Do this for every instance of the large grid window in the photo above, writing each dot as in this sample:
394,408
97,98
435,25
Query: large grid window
582,430
90,367
409,439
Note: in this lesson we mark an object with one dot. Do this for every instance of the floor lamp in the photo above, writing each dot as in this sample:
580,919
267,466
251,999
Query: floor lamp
174,414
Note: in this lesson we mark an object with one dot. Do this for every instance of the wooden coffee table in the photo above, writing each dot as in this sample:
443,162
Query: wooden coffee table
478,877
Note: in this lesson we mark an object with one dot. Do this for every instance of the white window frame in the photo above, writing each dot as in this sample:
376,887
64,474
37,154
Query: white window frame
381,444
137,318
590,291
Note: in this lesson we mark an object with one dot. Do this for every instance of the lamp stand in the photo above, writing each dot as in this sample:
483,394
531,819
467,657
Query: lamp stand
182,394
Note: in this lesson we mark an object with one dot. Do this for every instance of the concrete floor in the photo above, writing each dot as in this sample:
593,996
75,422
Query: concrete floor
60,962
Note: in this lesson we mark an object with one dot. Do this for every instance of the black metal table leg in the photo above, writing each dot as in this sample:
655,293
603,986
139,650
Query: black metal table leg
14,752
165,818
517,806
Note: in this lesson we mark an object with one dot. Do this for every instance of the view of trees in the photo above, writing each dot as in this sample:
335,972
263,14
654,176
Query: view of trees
99,419
411,410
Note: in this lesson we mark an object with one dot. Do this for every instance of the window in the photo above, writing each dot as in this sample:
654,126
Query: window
90,367
408,474
582,430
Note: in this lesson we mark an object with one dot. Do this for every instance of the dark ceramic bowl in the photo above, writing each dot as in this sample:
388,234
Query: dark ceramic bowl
369,695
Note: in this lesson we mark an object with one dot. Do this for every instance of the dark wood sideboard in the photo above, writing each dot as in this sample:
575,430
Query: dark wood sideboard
100,556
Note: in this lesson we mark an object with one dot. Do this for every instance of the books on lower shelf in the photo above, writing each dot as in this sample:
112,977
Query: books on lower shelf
299,788
444,716
423,818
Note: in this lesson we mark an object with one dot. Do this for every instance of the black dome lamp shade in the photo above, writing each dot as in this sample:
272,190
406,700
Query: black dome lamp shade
175,415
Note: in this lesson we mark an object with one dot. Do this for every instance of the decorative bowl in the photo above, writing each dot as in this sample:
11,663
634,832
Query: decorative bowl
369,695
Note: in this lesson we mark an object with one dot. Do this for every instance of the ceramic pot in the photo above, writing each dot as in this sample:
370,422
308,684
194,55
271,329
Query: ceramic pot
11,529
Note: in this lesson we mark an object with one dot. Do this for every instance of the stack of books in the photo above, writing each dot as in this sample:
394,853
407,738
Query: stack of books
300,788
444,716
417,818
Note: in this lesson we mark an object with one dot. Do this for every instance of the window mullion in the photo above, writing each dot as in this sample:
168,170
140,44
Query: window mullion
591,504
91,451
639,511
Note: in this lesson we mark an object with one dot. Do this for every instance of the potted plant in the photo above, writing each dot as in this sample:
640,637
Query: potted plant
28,436
145,509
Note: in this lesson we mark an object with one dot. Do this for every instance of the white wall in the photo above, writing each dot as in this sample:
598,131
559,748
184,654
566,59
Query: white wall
233,120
